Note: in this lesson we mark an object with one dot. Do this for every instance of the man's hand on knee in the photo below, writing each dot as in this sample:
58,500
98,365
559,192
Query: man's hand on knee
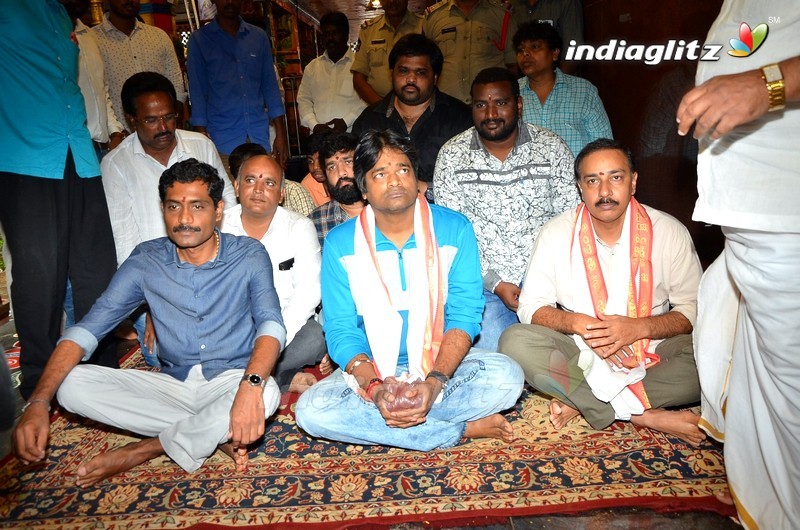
247,416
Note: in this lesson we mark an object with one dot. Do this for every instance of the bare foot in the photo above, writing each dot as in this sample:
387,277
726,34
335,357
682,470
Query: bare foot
494,426
326,365
108,464
724,496
238,455
680,423
561,414
301,382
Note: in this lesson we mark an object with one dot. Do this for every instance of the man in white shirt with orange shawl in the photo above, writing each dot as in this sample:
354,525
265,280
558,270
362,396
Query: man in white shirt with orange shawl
403,299
608,305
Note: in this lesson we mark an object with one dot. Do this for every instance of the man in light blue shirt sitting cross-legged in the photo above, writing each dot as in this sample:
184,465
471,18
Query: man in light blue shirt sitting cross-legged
216,312
402,292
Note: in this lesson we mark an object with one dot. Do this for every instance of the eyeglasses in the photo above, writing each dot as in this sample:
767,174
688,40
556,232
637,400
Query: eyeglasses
151,121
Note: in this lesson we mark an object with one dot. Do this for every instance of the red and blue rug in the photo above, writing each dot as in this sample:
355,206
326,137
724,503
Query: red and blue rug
295,481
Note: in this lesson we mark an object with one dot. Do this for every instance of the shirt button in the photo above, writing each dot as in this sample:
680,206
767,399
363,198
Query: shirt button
69,106
200,319
202,346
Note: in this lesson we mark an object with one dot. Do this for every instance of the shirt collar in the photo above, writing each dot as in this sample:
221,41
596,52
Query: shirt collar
138,149
214,26
407,19
108,27
221,257
348,56
80,27
391,108
454,6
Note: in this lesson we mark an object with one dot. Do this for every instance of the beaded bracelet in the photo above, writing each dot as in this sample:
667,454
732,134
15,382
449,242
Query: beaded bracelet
372,384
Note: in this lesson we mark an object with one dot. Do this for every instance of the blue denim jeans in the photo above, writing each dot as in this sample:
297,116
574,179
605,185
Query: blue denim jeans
69,307
496,318
483,384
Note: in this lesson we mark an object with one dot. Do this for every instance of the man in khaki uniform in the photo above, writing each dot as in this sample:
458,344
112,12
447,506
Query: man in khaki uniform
473,35
371,76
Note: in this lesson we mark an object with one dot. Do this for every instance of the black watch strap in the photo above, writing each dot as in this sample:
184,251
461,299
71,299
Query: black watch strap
439,376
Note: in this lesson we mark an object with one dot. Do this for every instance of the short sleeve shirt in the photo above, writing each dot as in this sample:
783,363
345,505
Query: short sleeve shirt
470,43
376,39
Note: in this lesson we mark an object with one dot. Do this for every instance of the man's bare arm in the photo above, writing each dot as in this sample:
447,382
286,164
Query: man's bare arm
247,412
364,89
562,321
724,102
31,434
618,331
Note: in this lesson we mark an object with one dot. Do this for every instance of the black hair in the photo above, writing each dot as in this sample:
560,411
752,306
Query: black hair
188,171
336,19
599,145
369,150
314,142
417,45
495,74
243,153
335,143
144,83
535,30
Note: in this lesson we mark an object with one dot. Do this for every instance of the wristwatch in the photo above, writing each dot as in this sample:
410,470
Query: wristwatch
439,376
254,380
776,89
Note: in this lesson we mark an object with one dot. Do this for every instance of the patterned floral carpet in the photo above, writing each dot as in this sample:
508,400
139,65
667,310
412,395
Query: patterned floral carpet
295,481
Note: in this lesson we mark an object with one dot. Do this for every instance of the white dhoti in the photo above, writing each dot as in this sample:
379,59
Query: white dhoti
762,415
717,314
190,418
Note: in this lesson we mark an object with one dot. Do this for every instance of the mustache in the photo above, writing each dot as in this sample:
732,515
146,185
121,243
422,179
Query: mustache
606,200
411,85
345,180
493,120
185,228
163,133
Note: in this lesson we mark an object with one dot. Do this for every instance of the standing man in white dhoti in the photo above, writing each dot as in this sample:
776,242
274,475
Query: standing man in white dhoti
747,117
607,305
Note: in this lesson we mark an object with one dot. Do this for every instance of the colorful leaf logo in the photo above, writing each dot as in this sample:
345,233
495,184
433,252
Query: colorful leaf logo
749,40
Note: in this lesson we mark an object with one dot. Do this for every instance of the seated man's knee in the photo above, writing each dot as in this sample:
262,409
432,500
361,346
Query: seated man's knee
306,413
72,389
513,338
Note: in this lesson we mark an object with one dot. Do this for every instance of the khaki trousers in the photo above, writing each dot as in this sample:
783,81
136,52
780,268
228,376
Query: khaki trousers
550,362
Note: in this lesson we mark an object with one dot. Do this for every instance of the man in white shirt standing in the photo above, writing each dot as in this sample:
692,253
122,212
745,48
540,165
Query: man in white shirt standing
101,120
129,46
291,241
326,98
132,170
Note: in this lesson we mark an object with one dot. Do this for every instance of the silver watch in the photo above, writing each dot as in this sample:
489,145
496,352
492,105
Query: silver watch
254,380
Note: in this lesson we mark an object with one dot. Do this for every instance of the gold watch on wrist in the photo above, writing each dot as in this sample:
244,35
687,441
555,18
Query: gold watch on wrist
776,89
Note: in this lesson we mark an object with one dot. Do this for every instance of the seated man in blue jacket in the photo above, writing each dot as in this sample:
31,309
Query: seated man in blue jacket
402,291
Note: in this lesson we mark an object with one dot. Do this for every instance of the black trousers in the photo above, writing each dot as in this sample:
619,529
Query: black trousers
54,228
